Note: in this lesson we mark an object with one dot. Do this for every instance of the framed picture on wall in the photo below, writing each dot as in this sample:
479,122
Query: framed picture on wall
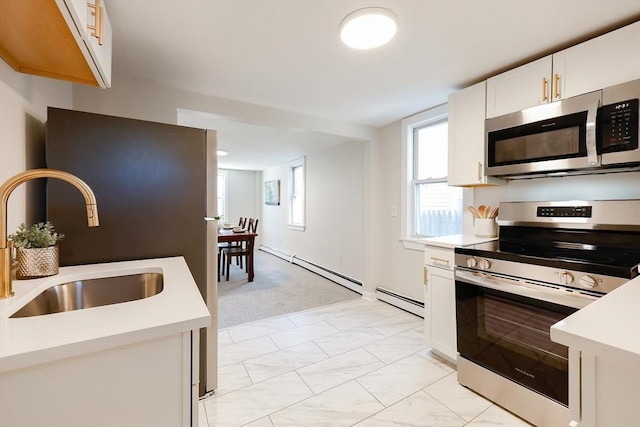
272,192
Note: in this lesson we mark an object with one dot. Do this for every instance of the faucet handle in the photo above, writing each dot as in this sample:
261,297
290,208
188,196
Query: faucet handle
12,255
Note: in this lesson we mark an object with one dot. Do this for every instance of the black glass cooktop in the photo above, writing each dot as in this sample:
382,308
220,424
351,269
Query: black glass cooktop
608,253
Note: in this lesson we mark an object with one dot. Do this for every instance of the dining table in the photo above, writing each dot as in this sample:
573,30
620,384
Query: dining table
230,236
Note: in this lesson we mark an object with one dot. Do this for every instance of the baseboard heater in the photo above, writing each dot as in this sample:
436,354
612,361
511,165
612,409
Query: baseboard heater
401,301
334,276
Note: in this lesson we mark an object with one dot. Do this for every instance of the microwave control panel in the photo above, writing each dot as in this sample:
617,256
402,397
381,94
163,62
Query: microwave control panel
619,126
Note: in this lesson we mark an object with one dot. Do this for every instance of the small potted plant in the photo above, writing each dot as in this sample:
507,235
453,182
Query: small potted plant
37,253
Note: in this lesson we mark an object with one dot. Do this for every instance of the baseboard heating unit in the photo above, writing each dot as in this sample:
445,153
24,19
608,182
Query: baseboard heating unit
341,279
407,304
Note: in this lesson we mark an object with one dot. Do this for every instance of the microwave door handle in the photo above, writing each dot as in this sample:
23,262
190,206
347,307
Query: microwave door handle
592,151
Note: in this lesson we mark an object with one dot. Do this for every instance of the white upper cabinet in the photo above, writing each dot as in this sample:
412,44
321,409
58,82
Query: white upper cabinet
520,88
466,138
597,63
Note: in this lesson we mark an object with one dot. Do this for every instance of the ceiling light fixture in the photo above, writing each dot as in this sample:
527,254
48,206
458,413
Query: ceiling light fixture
222,152
368,28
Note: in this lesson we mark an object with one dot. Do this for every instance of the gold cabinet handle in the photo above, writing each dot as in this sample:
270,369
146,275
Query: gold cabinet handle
479,171
439,260
556,86
544,89
98,16
425,279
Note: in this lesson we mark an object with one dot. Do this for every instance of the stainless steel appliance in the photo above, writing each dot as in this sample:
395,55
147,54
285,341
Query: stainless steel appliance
154,183
589,133
551,259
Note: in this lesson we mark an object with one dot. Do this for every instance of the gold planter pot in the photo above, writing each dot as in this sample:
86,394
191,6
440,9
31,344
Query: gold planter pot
37,262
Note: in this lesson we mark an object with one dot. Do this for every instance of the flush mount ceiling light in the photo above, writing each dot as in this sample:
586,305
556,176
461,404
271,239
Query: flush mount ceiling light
368,28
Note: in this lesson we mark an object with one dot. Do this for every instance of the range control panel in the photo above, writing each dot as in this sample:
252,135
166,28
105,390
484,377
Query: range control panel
564,211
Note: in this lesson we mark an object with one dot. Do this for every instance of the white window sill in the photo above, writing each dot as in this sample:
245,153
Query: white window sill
296,227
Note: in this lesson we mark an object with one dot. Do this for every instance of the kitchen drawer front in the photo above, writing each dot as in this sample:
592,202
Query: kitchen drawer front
439,257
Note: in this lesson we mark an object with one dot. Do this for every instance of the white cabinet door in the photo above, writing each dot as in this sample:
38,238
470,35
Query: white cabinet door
607,60
440,302
466,137
523,87
440,316
139,384
609,393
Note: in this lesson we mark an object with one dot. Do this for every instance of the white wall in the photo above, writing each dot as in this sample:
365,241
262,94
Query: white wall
401,269
23,111
242,195
335,211
609,186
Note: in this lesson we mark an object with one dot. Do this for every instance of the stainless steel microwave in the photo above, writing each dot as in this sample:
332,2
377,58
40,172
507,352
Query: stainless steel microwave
594,132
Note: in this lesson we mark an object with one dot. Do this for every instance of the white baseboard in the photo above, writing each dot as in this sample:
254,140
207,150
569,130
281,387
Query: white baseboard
401,301
276,252
340,279
336,277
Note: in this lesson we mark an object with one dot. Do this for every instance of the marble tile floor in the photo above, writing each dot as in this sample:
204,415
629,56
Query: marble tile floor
358,363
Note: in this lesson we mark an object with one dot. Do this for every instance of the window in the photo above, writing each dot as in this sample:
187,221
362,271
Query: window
436,208
222,194
297,194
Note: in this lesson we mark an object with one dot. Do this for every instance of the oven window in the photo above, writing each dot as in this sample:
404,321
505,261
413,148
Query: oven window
509,334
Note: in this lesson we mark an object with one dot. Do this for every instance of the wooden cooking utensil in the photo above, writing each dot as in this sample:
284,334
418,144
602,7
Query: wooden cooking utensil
473,211
482,210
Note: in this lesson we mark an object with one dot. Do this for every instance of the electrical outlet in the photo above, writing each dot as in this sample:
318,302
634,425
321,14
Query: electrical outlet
394,211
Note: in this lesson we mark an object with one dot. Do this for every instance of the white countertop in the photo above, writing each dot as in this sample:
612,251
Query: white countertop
608,328
456,240
40,339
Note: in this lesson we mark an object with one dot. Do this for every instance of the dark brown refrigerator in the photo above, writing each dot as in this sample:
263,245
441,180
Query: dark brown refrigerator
155,184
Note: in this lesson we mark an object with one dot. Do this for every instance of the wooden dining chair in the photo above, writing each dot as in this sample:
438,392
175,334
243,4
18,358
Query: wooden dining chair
241,251
242,223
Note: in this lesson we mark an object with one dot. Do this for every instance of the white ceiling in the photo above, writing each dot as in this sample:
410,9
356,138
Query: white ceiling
287,54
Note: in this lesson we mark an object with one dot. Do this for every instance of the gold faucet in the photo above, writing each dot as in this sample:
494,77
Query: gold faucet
7,187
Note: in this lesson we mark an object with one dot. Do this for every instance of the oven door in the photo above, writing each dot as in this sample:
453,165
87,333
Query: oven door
504,326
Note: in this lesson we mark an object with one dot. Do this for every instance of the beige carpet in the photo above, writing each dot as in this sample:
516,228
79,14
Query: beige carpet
279,288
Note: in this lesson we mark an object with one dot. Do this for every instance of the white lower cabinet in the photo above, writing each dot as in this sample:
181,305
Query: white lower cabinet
148,383
440,302
602,392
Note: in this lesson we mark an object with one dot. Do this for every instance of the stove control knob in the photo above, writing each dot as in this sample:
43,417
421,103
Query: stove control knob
566,278
472,262
485,264
588,281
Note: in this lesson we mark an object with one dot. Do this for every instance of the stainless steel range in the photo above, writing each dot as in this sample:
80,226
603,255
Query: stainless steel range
551,259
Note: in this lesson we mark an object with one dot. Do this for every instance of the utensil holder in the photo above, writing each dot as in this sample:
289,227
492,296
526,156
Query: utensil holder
486,227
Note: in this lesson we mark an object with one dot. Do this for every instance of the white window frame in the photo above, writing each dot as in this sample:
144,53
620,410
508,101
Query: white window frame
298,226
431,116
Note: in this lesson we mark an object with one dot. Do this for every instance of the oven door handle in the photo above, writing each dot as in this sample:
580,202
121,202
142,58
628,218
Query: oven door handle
514,286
